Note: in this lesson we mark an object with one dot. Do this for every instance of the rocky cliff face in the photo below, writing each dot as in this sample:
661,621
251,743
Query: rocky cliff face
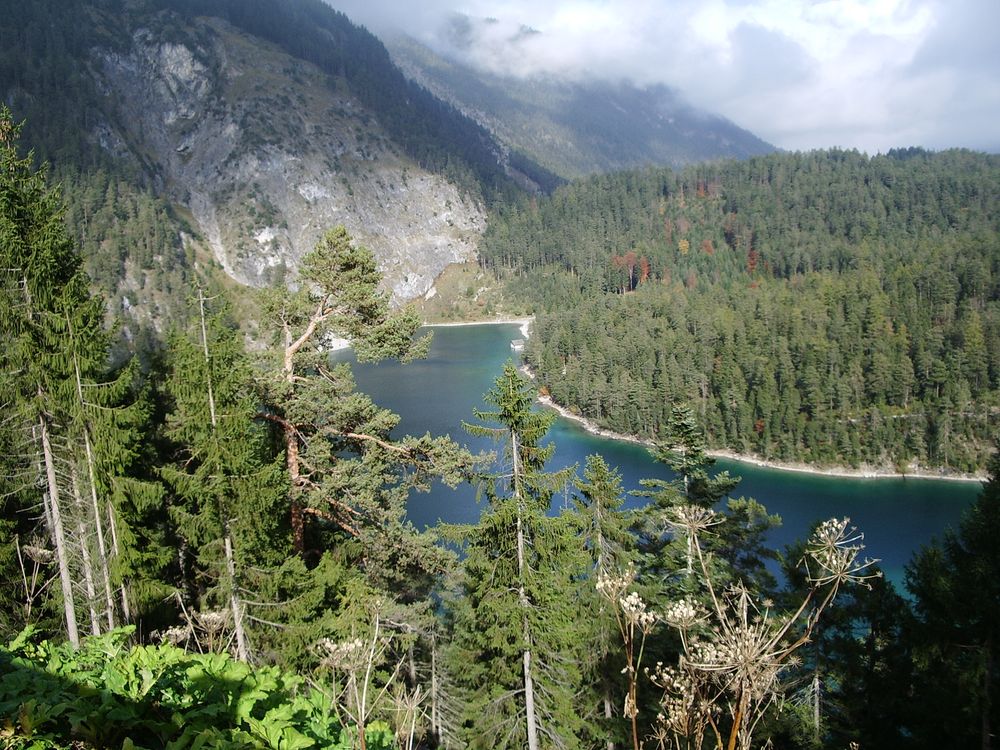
266,152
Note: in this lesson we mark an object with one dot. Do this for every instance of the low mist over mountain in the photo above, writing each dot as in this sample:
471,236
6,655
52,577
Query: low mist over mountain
573,125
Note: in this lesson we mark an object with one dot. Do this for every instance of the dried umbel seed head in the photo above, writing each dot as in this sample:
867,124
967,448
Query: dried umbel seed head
343,655
834,554
680,703
38,554
683,614
613,586
692,519
634,610
214,620
717,654
176,635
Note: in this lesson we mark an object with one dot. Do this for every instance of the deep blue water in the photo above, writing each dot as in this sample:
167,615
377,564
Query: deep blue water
435,395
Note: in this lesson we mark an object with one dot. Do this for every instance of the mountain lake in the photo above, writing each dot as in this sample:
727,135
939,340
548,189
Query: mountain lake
436,394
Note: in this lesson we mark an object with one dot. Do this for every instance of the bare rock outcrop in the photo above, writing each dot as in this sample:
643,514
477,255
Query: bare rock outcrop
267,152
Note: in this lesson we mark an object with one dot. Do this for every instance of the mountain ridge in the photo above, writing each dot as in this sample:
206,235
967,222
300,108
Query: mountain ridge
578,127
217,139
246,151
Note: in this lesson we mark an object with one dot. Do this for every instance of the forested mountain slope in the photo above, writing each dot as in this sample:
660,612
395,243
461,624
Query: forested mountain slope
579,127
198,135
826,307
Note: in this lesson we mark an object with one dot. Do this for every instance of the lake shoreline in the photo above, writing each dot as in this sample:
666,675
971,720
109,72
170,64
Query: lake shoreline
523,323
438,394
743,458
593,428
336,344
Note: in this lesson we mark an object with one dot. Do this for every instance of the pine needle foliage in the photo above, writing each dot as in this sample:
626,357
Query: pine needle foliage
346,470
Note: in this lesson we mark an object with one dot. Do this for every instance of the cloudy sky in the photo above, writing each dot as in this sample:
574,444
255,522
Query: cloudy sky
865,74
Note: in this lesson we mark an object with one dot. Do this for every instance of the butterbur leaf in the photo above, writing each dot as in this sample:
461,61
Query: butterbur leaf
126,713
266,731
293,739
196,736
22,640
379,736
86,690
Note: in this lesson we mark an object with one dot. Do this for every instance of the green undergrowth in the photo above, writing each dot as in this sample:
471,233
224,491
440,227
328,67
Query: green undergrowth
109,694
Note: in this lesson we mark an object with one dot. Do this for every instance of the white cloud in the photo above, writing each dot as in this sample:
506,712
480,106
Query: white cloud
866,74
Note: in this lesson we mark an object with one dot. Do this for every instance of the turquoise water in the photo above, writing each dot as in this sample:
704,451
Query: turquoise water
435,395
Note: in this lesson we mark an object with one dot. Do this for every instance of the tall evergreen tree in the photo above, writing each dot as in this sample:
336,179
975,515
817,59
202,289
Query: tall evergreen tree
956,588
864,661
515,649
229,488
71,433
683,449
344,466
605,525
608,539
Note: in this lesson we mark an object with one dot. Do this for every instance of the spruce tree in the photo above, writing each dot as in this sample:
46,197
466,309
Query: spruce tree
683,449
516,648
605,525
228,487
955,583
71,427
604,529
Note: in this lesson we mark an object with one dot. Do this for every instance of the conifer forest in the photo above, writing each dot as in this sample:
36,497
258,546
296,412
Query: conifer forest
204,531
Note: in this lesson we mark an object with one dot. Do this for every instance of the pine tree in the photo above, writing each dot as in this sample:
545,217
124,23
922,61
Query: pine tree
516,649
344,466
121,539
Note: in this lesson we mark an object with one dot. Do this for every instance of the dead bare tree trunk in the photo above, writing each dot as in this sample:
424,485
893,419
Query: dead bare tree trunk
242,652
88,568
102,554
123,592
102,550
58,535
529,685
235,604
435,728
608,714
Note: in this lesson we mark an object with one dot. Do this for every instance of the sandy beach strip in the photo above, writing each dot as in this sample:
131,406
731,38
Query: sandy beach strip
523,323
801,468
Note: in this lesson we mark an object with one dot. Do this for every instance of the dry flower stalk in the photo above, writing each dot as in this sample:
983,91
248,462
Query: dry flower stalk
734,654
635,622
735,648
